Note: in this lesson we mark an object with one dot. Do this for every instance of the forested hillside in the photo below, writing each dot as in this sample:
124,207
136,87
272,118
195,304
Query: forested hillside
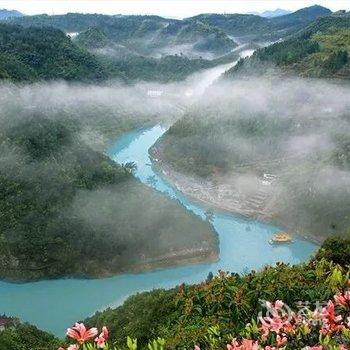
26,56
18,336
216,311
63,202
253,27
320,50
29,54
140,34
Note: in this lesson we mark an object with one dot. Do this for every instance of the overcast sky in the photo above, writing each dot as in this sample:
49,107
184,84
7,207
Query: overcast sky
169,8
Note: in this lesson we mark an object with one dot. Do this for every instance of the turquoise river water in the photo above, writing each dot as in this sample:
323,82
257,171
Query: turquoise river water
56,304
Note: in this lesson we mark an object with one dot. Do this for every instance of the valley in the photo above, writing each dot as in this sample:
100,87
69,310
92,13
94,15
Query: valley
148,165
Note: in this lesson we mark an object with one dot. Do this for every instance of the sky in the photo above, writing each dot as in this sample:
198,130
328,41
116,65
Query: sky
166,8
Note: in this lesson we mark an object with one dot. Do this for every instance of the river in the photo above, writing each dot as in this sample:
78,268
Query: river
56,304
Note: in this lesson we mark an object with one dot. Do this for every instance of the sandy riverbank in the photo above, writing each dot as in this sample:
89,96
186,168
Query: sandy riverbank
222,193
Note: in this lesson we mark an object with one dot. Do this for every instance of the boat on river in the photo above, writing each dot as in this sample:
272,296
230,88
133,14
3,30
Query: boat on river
281,237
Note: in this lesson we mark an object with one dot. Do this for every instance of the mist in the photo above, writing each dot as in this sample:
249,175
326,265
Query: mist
69,197
242,131
271,149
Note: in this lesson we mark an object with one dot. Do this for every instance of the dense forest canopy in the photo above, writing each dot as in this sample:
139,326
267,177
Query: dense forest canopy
319,50
25,56
255,27
29,54
141,34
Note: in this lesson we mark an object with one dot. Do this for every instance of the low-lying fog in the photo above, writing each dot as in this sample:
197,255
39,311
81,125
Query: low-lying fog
296,129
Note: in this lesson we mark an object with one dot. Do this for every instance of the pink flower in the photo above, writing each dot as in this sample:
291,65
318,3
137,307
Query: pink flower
73,347
100,341
105,332
80,333
331,321
102,338
196,347
279,305
343,299
246,344
281,340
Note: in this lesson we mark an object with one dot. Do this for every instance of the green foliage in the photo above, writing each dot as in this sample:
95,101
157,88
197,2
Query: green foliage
62,204
45,54
287,52
19,336
236,24
209,314
336,250
320,50
259,28
142,316
165,69
42,53
134,32
93,38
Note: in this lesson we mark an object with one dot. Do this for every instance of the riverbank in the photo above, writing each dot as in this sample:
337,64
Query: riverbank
220,193
205,254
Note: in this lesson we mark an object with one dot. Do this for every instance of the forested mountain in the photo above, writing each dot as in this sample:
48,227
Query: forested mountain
259,28
118,44
141,34
275,13
65,208
320,50
5,14
299,19
29,54
26,56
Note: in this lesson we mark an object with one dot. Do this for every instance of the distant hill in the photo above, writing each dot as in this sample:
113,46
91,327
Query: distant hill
271,14
5,14
320,50
300,18
142,34
207,35
262,28
275,13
